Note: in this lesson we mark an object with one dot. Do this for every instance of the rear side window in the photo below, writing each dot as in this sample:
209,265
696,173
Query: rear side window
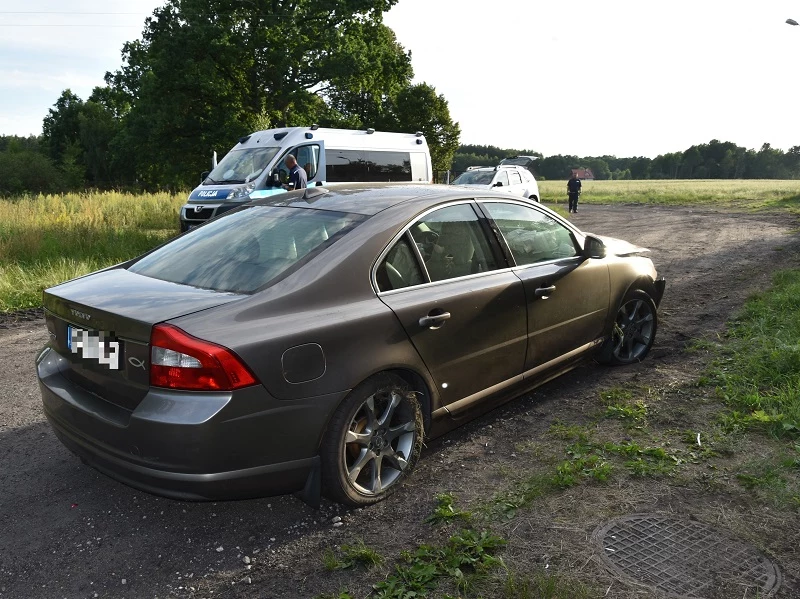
515,178
400,268
245,250
367,165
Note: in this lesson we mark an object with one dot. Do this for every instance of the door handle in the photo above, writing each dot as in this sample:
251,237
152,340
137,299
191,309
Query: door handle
434,320
544,292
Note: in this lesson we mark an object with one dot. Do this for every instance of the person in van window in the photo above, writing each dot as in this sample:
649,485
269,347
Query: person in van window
298,179
574,191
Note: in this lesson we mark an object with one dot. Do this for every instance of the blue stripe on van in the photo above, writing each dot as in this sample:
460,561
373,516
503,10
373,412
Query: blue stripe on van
209,194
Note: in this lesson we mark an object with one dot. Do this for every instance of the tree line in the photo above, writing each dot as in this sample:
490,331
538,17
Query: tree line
207,72
712,160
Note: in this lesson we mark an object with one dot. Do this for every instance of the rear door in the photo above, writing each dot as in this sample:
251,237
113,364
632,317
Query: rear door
461,306
567,295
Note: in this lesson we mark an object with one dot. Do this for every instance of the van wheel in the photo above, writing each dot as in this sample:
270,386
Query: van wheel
534,198
373,441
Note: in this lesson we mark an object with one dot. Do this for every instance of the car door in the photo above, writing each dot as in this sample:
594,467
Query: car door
515,183
501,182
567,295
461,306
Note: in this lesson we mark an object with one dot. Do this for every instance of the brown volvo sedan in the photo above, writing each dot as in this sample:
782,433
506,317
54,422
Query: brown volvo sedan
309,342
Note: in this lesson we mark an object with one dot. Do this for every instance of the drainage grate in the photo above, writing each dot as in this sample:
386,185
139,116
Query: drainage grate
683,558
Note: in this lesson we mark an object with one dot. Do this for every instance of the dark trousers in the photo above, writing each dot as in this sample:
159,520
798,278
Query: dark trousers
573,201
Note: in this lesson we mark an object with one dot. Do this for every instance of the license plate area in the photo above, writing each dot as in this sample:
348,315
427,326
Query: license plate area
96,347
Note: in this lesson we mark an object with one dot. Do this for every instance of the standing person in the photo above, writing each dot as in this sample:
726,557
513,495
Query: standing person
298,179
574,191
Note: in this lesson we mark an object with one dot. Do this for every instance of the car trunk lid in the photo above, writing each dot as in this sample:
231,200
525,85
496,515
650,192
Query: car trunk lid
101,325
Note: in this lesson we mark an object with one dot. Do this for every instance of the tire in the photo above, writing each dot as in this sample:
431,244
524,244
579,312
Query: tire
372,442
633,332
534,198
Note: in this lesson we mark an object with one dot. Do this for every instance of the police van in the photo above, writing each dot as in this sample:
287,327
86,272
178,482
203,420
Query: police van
254,168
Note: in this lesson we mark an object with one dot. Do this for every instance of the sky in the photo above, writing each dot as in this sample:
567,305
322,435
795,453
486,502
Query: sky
589,77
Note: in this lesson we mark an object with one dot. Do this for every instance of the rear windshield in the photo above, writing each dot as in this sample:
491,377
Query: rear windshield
245,250
474,178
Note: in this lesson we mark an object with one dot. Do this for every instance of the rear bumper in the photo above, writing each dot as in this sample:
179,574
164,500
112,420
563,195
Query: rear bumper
209,446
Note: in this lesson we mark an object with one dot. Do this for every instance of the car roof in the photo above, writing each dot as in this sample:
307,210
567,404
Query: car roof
360,198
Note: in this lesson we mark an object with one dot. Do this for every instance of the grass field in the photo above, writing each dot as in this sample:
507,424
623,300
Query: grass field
731,194
45,240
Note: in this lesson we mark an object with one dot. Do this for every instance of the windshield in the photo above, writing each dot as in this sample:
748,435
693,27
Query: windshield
474,178
245,250
242,166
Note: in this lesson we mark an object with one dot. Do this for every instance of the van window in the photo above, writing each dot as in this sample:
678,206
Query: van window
308,158
242,166
367,165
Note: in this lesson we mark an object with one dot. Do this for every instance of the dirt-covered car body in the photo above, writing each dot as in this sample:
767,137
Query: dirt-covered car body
257,370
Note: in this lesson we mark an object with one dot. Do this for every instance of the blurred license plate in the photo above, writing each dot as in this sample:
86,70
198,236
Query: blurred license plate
94,345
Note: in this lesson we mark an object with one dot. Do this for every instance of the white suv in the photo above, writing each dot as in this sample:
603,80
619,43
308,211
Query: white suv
515,180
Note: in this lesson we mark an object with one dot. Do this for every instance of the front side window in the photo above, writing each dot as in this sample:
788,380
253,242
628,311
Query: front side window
308,158
502,178
241,166
245,250
452,243
531,235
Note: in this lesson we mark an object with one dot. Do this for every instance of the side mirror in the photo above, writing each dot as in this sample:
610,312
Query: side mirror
203,176
593,247
275,179
498,184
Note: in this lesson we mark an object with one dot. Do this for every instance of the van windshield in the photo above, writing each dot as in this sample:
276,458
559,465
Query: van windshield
241,166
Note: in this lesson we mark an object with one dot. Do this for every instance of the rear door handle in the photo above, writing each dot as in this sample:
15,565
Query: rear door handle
544,292
434,320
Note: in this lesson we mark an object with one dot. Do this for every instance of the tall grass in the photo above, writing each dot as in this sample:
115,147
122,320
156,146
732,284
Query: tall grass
747,194
47,239
759,373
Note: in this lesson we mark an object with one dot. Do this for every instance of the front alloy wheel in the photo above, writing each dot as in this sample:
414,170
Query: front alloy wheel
634,330
373,441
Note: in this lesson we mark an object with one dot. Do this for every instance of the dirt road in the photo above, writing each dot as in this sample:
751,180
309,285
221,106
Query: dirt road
68,531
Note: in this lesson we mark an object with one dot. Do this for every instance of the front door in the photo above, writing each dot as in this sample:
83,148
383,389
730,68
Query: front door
567,295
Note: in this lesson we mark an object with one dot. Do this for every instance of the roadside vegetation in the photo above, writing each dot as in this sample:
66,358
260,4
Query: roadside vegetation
48,239
729,194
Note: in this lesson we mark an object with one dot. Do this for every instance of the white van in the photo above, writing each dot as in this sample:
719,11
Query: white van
255,166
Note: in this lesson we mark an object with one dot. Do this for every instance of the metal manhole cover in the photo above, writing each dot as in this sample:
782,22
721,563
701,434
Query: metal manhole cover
683,558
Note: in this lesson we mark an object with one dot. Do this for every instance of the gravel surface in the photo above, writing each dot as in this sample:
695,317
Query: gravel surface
68,531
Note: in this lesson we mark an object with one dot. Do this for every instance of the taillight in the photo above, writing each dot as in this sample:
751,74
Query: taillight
180,361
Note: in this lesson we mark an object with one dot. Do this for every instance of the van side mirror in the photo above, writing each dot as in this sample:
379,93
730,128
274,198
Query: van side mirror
593,247
203,176
498,184
275,179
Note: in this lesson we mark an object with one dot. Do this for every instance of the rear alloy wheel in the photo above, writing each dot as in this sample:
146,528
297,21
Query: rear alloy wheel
634,330
372,442
534,198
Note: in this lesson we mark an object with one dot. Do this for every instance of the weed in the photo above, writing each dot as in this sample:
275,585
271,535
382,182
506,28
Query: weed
615,395
466,555
633,413
445,512
542,585
569,432
351,556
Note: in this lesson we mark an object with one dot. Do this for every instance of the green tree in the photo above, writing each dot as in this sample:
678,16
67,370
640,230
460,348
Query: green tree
209,71
420,108
61,127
